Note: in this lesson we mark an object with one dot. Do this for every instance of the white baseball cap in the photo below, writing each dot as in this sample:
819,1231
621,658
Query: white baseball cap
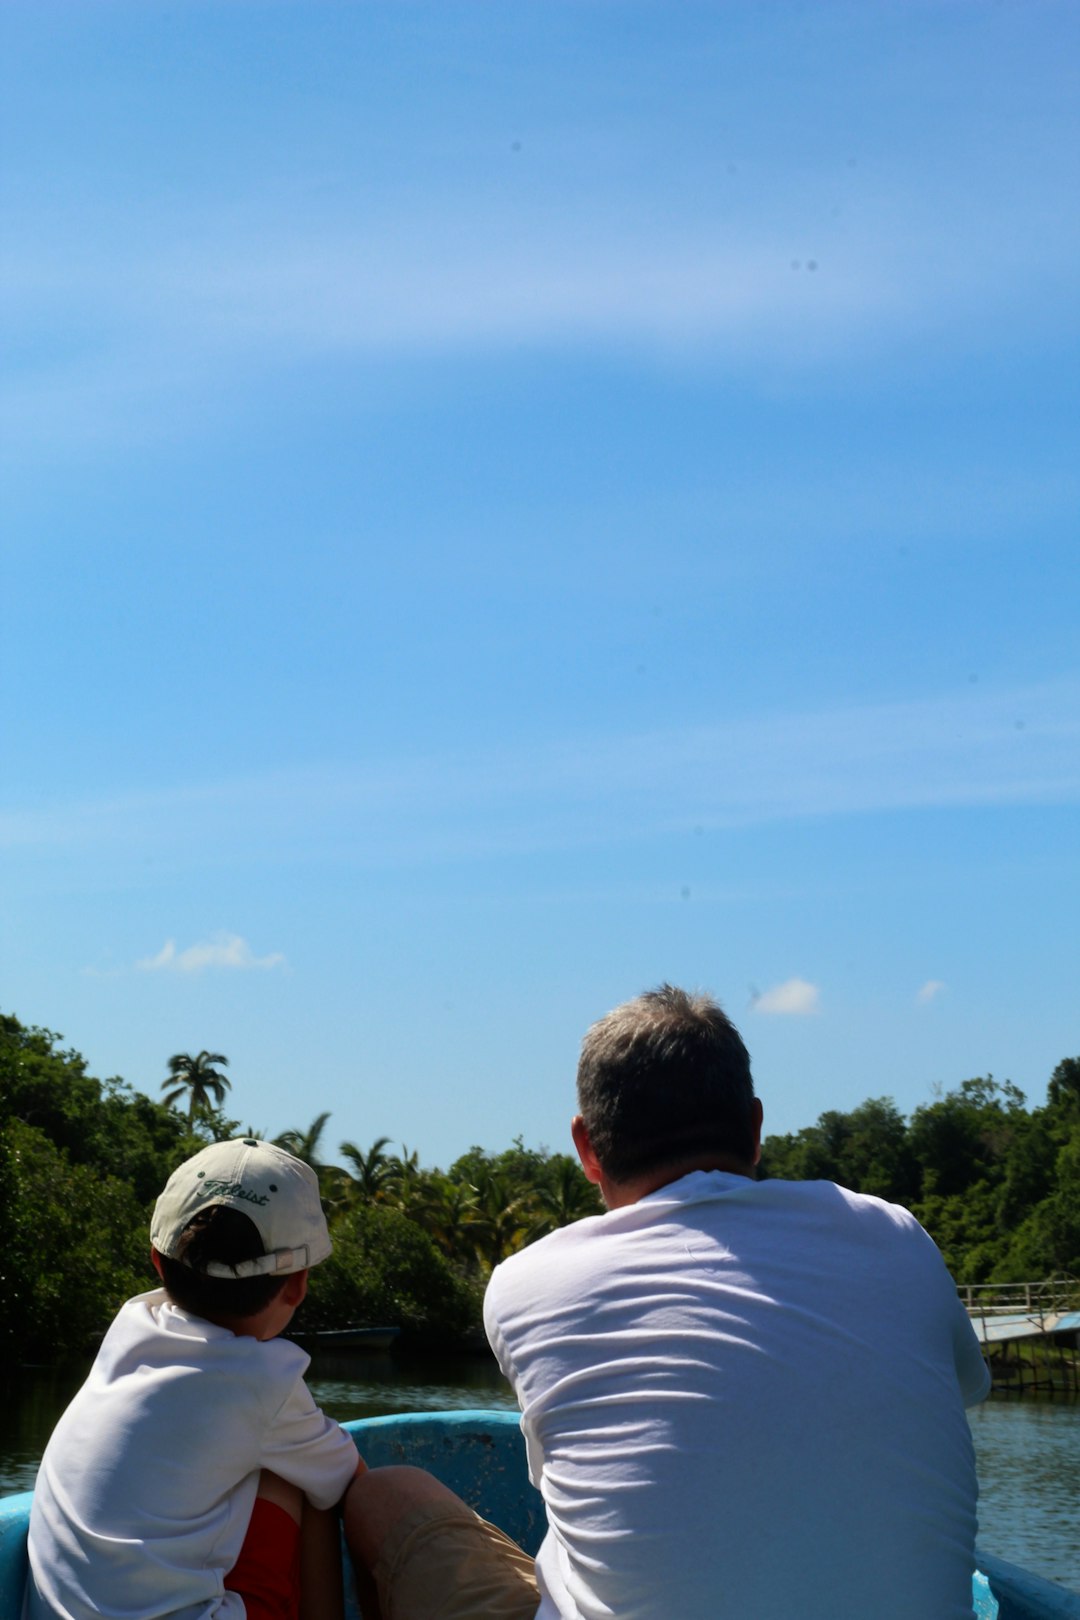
277,1192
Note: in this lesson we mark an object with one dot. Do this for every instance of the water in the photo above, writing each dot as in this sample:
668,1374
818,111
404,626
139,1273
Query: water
1027,1450
348,1387
35,1399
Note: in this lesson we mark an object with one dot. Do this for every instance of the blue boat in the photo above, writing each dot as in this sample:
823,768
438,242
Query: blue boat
481,1456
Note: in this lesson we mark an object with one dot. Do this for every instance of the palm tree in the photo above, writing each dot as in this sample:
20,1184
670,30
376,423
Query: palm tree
335,1184
372,1169
198,1079
304,1145
446,1216
566,1197
404,1179
499,1221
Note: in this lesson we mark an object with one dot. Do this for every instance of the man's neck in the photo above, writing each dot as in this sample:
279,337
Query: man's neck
617,1194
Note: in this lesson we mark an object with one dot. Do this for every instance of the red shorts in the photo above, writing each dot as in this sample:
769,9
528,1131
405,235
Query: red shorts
267,1572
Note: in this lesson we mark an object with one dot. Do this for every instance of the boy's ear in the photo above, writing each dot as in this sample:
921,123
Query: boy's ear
295,1288
156,1258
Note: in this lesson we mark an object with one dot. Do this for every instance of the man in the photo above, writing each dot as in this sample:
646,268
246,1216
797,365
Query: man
739,1397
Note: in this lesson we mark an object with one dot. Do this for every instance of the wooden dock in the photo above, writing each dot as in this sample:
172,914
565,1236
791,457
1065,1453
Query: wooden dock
1030,1332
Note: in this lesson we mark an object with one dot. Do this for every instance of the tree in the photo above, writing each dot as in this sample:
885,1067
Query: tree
384,1269
59,1295
199,1080
446,1214
1063,1092
335,1184
867,1150
405,1181
500,1220
371,1169
102,1124
1048,1242
965,1136
304,1145
566,1195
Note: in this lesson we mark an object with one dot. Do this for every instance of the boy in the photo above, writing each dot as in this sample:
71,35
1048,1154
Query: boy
176,1483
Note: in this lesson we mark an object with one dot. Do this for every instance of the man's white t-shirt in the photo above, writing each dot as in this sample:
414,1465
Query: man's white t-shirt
146,1487
745,1399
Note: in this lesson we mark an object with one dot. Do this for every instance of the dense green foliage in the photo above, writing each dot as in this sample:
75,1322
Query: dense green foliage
81,1161
385,1270
995,1184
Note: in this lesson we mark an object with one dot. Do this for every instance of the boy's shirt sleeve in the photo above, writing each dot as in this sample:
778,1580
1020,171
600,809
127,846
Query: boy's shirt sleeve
309,1449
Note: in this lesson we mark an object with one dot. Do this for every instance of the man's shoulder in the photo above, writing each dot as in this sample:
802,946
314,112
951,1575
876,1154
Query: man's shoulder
815,1214
548,1254
823,1207
831,1194
562,1239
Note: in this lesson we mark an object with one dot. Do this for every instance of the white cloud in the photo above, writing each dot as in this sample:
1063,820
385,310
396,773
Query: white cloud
222,951
975,747
931,990
189,312
196,316
795,998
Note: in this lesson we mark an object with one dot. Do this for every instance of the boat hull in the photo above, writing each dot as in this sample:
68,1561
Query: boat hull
481,1456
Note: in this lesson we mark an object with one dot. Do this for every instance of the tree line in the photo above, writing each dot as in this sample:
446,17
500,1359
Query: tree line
81,1161
995,1183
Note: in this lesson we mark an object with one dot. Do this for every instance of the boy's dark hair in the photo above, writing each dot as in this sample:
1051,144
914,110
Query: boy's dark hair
662,1079
227,1236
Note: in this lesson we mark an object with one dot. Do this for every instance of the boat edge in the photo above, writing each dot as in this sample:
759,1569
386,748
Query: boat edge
1001,1590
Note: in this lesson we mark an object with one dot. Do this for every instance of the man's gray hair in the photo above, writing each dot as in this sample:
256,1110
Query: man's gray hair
662,1079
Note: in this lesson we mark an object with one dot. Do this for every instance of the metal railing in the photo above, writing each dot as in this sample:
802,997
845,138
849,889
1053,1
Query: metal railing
1034,1299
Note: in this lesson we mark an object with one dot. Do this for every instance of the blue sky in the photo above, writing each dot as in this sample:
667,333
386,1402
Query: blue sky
505,504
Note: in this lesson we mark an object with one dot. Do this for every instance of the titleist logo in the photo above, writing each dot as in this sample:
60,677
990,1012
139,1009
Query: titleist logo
232,1189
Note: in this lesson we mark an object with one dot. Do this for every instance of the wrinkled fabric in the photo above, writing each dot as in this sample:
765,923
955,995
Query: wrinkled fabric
745,1399
146,1487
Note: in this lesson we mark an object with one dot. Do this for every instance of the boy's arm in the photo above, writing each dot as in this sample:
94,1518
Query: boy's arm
322,1580
305,1446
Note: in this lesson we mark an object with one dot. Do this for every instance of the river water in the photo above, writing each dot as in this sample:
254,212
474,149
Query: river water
1027,1449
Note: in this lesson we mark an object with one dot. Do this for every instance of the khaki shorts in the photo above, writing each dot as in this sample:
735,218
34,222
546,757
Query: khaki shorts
444,1562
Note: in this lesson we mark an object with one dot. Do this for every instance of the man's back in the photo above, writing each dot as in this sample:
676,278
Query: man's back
739,1396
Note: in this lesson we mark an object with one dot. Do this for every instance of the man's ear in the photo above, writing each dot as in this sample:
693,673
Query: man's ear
295,1288
589,1162
156,1258
759,1115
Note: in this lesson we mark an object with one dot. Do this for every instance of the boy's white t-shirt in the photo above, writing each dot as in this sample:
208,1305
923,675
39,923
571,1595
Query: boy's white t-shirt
146,1487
